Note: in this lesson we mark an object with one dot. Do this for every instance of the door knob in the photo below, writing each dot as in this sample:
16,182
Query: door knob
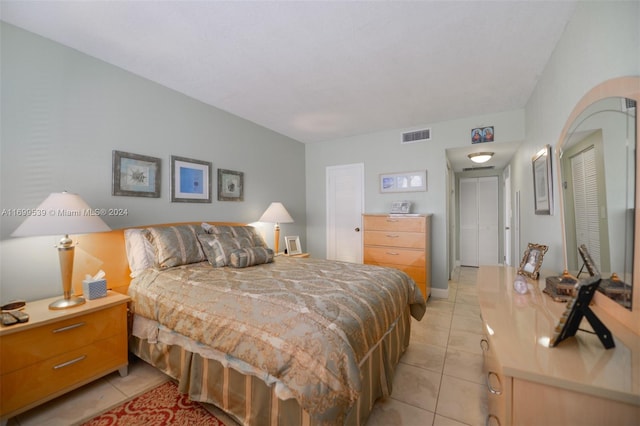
357,229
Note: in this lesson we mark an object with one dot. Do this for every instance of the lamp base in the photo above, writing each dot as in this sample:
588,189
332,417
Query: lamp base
67,303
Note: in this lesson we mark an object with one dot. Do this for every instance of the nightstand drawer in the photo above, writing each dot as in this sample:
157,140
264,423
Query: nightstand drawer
391,223
31,346
22,387
395,239
394,256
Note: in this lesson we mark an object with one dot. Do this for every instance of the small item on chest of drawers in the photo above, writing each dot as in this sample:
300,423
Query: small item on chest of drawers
21,316
520,284
8,319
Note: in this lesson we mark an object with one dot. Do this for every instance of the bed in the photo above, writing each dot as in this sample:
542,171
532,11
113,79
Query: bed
271,340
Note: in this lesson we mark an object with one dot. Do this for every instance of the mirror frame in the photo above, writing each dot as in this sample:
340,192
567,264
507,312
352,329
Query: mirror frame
627,87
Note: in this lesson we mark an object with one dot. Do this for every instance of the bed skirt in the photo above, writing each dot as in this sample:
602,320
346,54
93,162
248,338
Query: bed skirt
251,401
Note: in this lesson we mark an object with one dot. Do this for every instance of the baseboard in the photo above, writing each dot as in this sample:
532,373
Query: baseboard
440,293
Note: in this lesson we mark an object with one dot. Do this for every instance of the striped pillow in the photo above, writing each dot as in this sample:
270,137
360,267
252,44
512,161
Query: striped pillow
176,245
218,247
250,256
238,232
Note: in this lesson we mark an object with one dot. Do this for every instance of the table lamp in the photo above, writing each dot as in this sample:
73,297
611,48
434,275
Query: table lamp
63,213
276,213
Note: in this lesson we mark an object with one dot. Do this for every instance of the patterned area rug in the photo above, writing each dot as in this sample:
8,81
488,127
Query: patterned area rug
163,405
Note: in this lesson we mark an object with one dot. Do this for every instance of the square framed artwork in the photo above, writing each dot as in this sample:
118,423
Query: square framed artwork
542,184
135,175
230,185
403,182
293,244
190,180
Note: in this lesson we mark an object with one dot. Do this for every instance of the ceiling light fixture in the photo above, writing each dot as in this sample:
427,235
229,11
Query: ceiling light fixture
480,157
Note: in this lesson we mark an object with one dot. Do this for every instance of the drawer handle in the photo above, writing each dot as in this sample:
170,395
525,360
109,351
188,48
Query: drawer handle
491,389
68,363
392,220
391,253
69,327
484,345
496,420
392,235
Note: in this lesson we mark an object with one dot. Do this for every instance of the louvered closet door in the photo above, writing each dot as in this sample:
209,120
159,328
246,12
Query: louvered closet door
585,201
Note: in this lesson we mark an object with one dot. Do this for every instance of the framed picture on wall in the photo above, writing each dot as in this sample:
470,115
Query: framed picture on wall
190,180
403,182
135,175
230,185
542,184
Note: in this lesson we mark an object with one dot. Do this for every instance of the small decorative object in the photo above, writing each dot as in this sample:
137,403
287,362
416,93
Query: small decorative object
94,287
190,180
230,185
578,308
482,134
520,285
401,207
532,260
587,261
403,182
293,245
276,213
135,175
542,186
561,288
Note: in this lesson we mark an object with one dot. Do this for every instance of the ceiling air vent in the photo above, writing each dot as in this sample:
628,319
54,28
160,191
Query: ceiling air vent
417,136
471,169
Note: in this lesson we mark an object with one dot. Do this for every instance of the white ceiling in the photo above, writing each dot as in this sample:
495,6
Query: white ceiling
318,71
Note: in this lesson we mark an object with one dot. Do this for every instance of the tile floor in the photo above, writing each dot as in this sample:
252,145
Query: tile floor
438,382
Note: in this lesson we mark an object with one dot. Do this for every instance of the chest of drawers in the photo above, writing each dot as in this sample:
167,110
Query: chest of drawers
402,242
57,351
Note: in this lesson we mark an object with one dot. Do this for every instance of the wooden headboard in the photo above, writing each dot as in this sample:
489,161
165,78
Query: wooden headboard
106,251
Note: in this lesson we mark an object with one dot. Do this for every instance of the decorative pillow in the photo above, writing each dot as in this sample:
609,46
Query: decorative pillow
241,258
140,252
237,231
218,247
176,245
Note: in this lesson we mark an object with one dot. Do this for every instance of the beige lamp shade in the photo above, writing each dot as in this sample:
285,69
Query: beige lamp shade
276,213
63,213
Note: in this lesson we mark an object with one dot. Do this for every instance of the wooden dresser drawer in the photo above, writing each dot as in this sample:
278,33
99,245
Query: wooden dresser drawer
394,223
23,349
394,239
394,256
45,378
498,386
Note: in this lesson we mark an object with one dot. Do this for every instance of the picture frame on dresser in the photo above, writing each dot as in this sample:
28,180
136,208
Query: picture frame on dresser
532,260
293,245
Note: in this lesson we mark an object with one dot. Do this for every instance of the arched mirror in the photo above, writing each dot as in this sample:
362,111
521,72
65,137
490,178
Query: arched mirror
597,166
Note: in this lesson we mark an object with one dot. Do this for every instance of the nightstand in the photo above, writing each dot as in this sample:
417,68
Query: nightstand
299,255
60,350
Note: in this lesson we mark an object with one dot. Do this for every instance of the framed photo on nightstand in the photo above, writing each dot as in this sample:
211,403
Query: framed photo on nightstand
293,245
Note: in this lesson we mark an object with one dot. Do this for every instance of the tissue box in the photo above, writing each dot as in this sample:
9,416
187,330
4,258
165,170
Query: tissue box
94,289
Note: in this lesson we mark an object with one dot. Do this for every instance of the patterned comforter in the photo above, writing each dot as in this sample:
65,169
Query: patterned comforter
305,322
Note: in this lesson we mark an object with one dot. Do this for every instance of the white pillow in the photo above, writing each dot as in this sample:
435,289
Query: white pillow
140,252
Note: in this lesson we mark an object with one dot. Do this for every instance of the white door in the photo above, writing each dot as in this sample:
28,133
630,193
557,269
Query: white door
345,204
479,221
468,222
507,215
488,221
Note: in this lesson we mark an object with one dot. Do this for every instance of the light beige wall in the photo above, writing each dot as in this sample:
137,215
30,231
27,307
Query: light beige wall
64,112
